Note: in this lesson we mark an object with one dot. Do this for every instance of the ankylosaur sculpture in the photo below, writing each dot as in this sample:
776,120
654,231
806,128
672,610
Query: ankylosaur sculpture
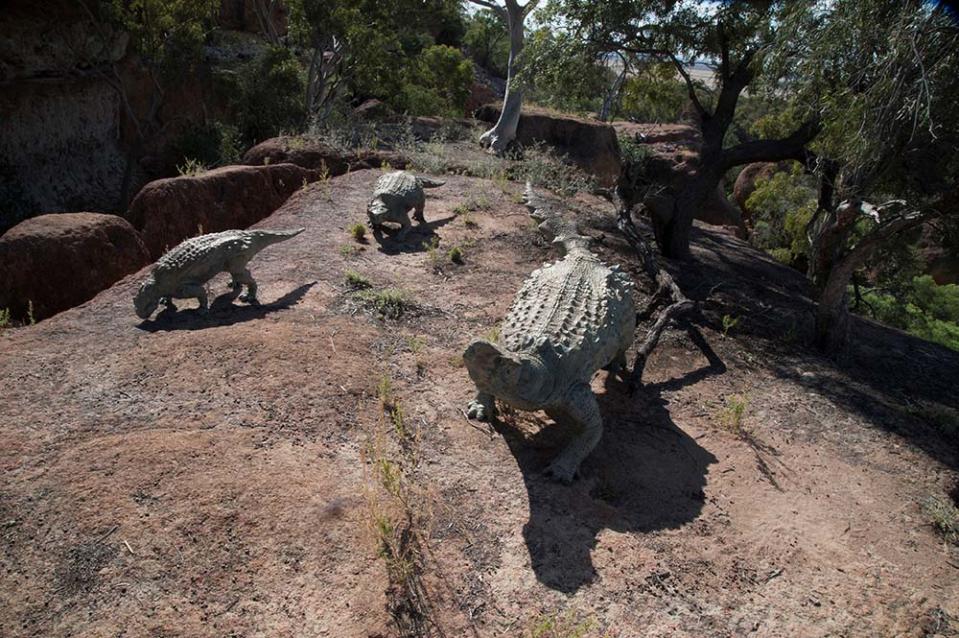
394,194
181,272
569,319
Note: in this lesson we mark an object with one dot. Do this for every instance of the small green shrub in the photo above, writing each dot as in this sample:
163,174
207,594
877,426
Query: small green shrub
356,281
560,626
389,304
358,232
729,322
191,168
4,318
455,255
348,250
944,517
733,413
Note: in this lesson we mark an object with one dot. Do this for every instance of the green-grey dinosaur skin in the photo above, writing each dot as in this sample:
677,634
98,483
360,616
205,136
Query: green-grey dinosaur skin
394,195
182,272
569,319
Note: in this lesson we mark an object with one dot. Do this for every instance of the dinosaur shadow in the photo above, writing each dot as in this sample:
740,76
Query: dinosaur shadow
223,312
645,475
416,240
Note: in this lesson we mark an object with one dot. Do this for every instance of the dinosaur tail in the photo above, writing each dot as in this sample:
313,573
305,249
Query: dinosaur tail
427,182
263,238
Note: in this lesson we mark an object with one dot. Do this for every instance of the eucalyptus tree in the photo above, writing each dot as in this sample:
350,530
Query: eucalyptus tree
363,47
734,37
881,78
513,15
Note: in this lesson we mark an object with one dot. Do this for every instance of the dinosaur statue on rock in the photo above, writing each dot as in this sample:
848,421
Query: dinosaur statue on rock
182,272
394,194
569,319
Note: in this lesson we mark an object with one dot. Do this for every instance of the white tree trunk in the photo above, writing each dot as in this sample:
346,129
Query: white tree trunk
498,138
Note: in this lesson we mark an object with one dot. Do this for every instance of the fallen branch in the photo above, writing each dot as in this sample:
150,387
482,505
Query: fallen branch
666,288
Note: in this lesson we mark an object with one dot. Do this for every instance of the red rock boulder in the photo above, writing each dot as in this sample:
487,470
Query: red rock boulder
313,153
590,144
167,211
60,260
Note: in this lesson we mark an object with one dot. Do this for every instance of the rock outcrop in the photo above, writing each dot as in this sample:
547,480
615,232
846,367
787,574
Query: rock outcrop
590,144
672,154
168,211
60,260
314,153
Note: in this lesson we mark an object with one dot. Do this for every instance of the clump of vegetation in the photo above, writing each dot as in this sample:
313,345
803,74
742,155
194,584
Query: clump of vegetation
944,517
545,168
4,318
733,414
455,255
560,626
921,308
390,303
432,252
358,232
213,143
438,82
266,95
348,250
191,168
729,322
782,207
356,281
655,95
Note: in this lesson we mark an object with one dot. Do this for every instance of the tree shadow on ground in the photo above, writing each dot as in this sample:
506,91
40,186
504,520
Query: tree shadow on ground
223,312
416,240
645,475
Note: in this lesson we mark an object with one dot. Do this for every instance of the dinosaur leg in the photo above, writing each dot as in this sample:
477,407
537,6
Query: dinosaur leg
582,409
168,302
194,290
246,278
418,212
618,365
482,408
405,226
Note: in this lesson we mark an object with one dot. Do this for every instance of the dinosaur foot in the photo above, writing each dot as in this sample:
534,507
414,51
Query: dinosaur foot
479,411
253,301
560,472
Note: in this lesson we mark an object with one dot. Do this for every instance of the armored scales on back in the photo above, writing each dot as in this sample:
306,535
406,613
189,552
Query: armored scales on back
394,194
569,319
182,272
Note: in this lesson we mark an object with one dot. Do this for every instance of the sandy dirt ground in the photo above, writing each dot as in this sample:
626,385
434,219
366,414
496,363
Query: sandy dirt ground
229,475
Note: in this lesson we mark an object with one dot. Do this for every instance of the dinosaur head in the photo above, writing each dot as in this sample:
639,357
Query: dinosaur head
517,378
147,299
377,212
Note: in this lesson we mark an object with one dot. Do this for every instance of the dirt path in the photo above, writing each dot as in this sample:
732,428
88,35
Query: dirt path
224,475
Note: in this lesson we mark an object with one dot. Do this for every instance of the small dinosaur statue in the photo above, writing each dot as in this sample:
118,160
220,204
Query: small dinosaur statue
394,194
569,319
181,272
